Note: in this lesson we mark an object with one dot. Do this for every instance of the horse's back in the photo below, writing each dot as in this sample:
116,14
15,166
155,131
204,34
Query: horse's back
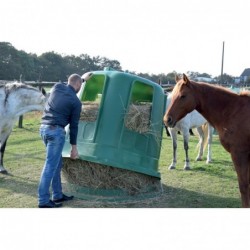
196,119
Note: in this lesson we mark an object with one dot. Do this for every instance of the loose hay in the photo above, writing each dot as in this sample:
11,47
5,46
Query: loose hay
137,117
89,111
98,176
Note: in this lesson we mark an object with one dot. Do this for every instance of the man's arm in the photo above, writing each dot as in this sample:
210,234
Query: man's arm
73,130
74,152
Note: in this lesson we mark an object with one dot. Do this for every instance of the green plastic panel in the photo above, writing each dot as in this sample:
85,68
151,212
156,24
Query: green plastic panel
106,139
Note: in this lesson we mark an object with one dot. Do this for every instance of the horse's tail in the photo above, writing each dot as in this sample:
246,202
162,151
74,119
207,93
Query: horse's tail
205,131
204,128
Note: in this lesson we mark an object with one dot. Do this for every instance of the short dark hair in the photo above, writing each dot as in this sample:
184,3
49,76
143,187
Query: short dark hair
74,78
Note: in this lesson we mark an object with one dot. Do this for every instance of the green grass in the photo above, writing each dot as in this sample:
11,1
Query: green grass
205,186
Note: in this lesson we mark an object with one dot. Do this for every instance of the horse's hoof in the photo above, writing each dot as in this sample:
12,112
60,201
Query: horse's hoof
198,159
171,167
4,172
187,168
208,161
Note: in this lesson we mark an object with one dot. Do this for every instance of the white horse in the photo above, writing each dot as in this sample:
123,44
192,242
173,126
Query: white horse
16,99
191,120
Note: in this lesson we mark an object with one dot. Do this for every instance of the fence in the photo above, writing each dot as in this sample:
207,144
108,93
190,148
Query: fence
166,87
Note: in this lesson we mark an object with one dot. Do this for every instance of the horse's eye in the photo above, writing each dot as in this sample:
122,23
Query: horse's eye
183,96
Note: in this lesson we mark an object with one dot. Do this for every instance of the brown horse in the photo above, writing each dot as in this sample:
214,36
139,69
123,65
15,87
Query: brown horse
227,112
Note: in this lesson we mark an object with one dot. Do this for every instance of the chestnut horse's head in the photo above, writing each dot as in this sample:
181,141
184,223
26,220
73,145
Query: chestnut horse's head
183,101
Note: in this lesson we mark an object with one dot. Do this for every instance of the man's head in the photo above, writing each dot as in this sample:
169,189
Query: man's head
75,81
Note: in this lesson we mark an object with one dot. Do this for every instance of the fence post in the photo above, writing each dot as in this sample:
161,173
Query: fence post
20,122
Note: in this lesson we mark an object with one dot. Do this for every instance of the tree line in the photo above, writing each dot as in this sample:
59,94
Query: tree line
51,66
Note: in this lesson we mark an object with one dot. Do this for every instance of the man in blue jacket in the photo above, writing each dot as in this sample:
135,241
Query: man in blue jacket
63,108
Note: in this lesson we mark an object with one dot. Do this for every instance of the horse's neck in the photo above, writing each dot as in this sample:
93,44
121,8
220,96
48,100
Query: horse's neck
16,107
213,103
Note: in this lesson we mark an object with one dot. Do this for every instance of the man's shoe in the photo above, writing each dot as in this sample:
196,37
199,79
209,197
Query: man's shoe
64,198
50,204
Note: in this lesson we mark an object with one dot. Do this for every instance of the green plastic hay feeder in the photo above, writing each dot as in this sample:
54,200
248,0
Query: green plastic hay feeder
104,136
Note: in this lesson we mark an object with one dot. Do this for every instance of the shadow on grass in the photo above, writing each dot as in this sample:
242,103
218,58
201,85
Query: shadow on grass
170,198
28,127
13,156
22,140
15,184
182,198
216,170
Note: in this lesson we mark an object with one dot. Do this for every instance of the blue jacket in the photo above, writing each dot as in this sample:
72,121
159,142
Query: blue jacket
63,107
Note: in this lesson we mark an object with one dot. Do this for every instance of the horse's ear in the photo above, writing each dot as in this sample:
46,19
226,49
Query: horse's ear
44,92
185,79
177,78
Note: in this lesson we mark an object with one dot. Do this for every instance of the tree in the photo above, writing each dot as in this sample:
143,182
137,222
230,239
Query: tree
192,74
105,62
204,75
52,66
171,77
27,64
226,79
9,62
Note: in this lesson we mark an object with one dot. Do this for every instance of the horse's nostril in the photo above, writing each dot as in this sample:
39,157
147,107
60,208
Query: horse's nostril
169,120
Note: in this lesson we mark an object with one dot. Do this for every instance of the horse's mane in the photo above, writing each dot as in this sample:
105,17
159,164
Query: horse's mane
245,93
13,87
10,87
223,89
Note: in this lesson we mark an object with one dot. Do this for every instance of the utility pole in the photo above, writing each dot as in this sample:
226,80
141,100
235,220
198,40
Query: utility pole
222,63
20,121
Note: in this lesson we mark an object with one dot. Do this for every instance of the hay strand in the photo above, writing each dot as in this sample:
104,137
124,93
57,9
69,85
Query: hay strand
137,117
89,111
98,176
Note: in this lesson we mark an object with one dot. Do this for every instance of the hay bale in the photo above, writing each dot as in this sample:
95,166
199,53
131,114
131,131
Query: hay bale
89,111
98,176
137,117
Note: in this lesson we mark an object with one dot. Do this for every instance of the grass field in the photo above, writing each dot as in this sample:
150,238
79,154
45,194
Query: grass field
205,186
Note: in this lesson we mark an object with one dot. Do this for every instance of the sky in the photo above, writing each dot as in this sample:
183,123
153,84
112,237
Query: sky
149,36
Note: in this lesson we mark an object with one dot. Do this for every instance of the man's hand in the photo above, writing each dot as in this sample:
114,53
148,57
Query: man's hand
87,76
74,153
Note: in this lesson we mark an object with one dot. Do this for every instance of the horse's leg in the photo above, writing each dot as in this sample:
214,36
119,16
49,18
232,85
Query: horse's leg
2,149
167,132
186,139
173,134
242,165
210,139
191,132
200,144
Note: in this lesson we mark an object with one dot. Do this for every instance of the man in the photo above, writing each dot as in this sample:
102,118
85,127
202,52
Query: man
63,108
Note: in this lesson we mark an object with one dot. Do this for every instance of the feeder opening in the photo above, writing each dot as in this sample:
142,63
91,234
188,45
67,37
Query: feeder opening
91,98
138,113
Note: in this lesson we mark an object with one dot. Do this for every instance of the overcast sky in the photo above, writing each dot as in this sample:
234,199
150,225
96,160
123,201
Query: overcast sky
154,36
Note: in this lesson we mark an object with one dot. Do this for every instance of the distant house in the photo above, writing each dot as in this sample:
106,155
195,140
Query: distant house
245,75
